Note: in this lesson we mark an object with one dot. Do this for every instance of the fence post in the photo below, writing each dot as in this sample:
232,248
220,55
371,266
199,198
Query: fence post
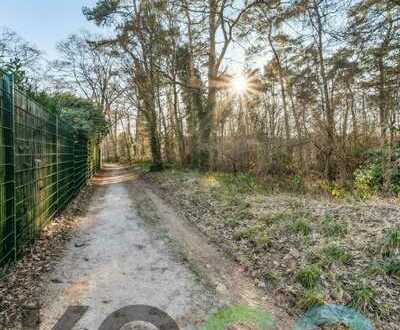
73,163
57,167
11,105
14,168
8,227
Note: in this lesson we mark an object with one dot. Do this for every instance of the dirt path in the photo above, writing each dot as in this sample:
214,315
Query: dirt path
231,283
117,260
132,248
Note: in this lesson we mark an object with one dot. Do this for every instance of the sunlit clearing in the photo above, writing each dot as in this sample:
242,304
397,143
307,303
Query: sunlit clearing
239,84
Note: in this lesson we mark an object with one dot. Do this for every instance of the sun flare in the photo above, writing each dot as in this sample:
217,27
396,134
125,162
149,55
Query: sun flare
239,84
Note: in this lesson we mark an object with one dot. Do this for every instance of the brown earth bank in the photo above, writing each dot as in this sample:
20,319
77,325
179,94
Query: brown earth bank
301,250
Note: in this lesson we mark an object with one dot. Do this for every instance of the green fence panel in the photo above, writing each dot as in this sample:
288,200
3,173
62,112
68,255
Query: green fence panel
65,181
44,163
7,207
81,164
35,168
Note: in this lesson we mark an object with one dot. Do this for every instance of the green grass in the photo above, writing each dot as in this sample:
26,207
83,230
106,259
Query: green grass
249,232
332,228
232,184
390,267
232,222
363,298
311,298
234,315
309,276
144,165
272,219
295,204
301,226
375,269
255,234
391,242
244,215
335,253
262,241
340,326
270,278
235,201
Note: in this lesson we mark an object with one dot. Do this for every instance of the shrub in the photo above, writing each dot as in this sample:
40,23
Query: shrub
297,183
368,179
280,164
333,189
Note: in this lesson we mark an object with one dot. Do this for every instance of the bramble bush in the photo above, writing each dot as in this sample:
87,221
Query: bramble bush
368,179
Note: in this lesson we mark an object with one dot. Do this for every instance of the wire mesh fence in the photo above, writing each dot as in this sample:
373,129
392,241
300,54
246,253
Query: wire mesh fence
44,162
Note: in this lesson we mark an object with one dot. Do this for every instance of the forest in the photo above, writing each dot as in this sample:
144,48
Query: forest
296,89
299,90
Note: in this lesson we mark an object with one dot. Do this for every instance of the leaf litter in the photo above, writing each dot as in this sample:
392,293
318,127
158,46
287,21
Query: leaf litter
23,283
274,236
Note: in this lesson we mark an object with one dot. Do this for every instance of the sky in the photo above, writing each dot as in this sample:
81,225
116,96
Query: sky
45,22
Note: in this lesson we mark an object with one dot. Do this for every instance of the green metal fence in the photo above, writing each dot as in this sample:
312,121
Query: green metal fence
44,162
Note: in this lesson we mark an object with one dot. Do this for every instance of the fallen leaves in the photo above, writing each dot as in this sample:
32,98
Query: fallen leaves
23,283
235,220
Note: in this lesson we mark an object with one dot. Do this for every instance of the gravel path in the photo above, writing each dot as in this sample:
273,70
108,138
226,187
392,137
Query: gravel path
117,258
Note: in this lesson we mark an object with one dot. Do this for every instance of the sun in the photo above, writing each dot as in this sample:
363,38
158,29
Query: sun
239,84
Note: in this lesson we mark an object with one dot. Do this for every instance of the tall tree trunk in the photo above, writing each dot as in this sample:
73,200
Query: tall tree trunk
283,92
194,102
384,125
206,117
298,129
178,126
155,148
114,136
329,110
